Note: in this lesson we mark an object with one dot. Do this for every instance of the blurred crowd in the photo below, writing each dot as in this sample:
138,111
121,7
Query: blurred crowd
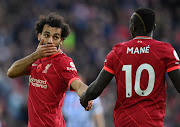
96,26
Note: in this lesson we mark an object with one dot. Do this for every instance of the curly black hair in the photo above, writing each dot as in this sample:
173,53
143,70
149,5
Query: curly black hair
53,20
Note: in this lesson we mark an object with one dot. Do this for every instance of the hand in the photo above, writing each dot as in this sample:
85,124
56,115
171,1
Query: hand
45,50
90,105
83,102
86,104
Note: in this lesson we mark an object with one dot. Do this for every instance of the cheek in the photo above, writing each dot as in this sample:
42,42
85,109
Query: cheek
45,41
56,42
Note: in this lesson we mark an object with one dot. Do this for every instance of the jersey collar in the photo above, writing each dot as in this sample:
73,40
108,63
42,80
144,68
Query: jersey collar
142,37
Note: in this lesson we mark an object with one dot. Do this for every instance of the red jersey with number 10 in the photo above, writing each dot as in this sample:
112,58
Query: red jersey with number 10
139,66
48,81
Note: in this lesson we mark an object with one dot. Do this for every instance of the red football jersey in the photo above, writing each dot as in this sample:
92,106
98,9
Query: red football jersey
48,81
139,66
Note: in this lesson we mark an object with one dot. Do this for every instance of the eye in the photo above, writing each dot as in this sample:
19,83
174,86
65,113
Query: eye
56,37
46,35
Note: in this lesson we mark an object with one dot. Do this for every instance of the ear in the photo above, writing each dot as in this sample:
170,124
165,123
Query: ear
154,26
133,27
39,37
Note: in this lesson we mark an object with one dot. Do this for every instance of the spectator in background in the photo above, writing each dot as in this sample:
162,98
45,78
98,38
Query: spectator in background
75,116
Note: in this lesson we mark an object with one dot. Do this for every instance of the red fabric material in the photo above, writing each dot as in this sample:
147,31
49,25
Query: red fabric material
144,58
47,88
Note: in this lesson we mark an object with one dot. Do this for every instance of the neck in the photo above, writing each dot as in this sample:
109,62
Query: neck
147,35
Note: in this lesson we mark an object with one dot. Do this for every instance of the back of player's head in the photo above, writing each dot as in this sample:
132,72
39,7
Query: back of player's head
53,20
147,18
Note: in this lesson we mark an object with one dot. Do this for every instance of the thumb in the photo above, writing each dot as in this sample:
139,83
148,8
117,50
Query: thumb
41,42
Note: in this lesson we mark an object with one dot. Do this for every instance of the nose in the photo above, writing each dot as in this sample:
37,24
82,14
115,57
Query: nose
50,39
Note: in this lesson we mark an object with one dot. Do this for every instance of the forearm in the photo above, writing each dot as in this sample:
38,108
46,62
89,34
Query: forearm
96,88
79,87
20,67
82,89
93,91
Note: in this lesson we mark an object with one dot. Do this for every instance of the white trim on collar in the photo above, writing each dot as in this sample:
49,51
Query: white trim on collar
142,37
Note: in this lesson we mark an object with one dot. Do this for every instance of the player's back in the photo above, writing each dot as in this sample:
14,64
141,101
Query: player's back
139,67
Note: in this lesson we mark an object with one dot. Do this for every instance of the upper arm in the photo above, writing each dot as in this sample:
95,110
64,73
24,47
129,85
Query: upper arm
175,78
173,67
17,70
103,79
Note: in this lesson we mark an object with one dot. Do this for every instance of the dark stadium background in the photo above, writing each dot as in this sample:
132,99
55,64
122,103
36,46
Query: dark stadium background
96,25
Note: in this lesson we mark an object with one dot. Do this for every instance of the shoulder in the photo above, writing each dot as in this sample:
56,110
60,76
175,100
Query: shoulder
117,49
120,46
63,61
164,45
62,58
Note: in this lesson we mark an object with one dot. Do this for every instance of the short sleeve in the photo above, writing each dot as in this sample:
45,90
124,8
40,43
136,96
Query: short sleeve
68,71
29,69
108,63
172,62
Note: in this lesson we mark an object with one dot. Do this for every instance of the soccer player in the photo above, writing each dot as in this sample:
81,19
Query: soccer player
50,72
139,66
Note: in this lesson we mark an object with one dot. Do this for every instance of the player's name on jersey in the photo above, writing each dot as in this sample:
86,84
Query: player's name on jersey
138,50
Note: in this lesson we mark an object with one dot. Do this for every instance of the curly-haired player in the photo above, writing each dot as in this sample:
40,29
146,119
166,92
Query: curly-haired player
50,72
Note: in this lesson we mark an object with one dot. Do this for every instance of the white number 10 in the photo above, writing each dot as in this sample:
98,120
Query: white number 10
128,78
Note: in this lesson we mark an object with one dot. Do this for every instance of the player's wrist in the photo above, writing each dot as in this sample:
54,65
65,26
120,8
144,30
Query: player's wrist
83,100
34,56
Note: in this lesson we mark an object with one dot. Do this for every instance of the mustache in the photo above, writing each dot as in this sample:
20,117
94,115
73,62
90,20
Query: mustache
51,43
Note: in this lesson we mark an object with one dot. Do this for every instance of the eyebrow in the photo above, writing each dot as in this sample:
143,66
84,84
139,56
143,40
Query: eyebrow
47,32
57,34
53,34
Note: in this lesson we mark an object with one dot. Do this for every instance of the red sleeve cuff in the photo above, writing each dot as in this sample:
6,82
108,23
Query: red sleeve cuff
70,81
172,68
108,70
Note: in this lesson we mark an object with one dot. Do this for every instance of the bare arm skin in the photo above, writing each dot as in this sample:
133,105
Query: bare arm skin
80,87
99,120
20,67
96,87
175,78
